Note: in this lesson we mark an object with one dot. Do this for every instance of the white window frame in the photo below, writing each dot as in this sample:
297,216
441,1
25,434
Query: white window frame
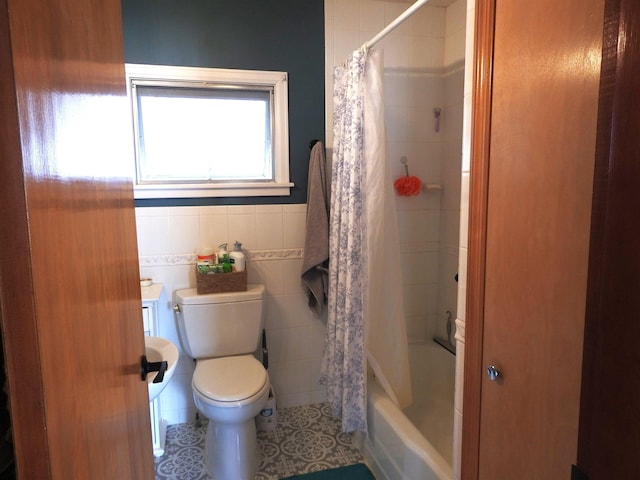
150,75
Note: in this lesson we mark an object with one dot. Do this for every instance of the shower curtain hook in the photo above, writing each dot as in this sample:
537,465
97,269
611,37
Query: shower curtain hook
403,161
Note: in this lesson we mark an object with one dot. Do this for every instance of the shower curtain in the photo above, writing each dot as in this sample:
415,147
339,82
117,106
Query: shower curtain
365,304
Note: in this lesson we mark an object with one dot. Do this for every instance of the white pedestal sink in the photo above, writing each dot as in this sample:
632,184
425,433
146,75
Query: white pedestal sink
159,350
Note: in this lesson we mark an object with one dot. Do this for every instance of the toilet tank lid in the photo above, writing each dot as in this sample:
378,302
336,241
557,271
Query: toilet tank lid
190,296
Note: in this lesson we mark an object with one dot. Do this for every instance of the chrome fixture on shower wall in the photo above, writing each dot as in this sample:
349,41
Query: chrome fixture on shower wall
436,114
447,343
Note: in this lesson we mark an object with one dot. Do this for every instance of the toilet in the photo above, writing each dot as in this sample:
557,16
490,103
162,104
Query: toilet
221,331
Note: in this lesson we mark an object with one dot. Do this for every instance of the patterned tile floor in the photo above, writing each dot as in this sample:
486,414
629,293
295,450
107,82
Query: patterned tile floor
306,439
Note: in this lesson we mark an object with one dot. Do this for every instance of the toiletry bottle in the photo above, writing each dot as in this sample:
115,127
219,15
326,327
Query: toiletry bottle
222,252
226,264
206,256
237,258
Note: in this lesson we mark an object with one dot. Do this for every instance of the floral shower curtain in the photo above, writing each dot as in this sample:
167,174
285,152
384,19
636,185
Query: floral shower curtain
362,318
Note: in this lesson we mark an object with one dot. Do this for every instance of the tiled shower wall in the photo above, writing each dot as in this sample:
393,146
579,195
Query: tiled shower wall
424,71
423,60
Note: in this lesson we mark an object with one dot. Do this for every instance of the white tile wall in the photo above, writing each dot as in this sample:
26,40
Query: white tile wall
273,237
455,29
451,188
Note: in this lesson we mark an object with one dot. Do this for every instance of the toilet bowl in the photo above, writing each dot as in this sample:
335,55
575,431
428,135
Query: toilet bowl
230,392
230,386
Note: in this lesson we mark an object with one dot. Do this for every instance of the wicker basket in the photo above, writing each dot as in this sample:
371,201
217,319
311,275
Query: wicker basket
221,282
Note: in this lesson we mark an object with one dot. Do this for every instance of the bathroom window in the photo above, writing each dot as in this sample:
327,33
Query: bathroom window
206,132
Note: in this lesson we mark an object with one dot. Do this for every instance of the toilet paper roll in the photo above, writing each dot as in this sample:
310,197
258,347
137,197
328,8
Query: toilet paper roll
267,419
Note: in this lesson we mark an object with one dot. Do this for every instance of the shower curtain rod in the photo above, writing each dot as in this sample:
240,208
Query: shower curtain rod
396,23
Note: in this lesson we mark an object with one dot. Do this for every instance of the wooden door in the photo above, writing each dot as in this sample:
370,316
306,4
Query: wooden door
537,80
69,292
610,408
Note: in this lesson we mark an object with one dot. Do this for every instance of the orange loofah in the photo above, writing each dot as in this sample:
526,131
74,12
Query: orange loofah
408,186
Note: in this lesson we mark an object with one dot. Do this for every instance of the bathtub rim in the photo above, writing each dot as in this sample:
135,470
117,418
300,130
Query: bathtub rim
378,402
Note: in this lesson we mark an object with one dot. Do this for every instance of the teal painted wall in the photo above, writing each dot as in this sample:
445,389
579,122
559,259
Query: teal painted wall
284,35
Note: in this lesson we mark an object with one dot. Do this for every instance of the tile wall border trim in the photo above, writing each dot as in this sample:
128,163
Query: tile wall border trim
190,259
274,254
455,67
419,247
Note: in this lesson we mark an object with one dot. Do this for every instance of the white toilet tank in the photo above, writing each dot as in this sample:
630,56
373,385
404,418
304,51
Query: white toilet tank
220,324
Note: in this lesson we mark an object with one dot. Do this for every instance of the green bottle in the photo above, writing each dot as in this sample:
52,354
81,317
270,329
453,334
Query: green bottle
226,265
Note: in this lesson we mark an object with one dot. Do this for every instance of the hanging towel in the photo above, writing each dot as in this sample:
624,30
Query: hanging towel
315,262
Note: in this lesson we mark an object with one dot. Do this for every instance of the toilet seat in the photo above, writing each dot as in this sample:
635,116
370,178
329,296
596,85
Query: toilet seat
230,379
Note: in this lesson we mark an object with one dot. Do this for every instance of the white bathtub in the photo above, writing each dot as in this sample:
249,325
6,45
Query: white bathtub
395,447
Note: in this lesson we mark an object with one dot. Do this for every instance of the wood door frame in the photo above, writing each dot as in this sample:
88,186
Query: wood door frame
477,237
19,327
609,429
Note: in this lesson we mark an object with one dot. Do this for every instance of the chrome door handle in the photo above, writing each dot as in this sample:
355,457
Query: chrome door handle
493,373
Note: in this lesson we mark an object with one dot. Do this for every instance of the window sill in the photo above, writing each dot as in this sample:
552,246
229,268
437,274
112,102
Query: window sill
257,189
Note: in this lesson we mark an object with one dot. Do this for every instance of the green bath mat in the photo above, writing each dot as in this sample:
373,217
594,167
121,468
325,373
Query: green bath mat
359,471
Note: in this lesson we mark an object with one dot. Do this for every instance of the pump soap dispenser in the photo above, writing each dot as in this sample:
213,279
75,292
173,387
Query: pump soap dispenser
223,258
222,252
237,258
